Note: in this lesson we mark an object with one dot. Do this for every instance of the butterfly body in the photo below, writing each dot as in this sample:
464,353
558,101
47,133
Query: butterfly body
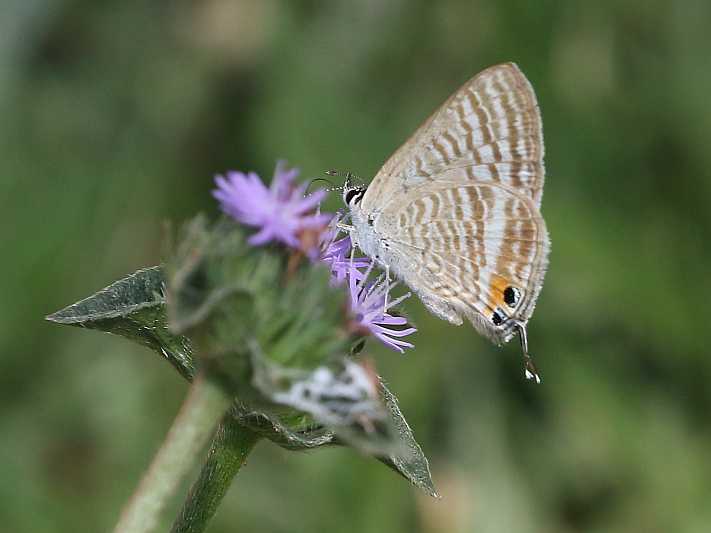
455,212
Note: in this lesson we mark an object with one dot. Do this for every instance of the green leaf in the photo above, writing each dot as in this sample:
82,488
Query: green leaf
311,436
412,464
133,307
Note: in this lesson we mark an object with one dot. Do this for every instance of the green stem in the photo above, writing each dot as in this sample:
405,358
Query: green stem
182,449
229,450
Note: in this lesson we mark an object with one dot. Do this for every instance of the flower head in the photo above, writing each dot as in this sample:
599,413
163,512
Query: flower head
368,308
336,253
281,212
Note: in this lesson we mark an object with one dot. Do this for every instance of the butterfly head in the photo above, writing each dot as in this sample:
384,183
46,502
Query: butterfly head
352,194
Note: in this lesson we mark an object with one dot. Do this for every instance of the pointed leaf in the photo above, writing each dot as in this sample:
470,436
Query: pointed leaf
281,434
133,307
412,463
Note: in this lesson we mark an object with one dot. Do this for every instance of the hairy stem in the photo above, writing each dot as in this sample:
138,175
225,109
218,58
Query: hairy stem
180,452
229,450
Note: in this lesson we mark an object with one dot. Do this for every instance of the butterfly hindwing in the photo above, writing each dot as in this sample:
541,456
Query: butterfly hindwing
482,248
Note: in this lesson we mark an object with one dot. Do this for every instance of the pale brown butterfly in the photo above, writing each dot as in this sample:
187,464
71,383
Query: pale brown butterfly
455,211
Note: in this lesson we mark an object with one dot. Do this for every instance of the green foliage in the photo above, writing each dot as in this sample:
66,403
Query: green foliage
252,296
265,331
133,307
412,464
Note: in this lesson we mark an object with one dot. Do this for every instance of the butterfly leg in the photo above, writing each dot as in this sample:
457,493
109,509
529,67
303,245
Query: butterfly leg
530,370
345,227
387,288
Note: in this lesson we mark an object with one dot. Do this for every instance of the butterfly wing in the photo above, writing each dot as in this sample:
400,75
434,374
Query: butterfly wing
488,131
476,250
460,200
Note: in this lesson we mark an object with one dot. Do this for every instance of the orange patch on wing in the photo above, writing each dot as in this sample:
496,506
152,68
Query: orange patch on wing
498,286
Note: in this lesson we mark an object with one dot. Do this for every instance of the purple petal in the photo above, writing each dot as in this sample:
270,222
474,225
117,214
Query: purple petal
390,320
279,212
366,305
399,332
310,202
315,221
261,237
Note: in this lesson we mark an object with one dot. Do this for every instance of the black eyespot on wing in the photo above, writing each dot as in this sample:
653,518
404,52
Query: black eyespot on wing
511,296
497,318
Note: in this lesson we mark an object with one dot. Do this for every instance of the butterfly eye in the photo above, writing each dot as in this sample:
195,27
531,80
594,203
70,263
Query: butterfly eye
511,296
353,195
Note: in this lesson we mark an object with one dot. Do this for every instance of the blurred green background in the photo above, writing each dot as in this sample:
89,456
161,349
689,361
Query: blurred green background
114,116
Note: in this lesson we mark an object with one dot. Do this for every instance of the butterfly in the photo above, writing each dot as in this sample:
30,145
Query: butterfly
455,212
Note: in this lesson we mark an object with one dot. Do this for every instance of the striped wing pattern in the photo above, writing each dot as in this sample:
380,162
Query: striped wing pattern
490,127
461,197
472,243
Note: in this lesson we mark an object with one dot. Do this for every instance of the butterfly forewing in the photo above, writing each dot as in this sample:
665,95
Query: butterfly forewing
491,127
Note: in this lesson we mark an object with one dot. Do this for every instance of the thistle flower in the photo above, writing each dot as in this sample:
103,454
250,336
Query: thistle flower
370,312
281,212
336,253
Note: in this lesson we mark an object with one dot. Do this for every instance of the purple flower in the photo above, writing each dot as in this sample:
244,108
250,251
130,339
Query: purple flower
336,253
281,212
369,312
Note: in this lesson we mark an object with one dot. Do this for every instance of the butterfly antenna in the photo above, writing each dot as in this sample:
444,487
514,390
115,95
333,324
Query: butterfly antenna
314,180
348,176
530,370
